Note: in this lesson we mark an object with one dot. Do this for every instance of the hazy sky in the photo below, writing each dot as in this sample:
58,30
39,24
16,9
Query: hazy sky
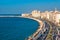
26,6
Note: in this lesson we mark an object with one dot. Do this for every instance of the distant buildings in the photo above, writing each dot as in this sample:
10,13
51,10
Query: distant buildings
36,13
58,18
45,14
25,15
53,16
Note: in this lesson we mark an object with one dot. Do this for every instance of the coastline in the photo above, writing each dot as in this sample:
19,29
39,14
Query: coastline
34,35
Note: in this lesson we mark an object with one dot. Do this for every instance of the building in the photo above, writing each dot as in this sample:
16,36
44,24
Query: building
43,15
58,18
36,13
47,14
53,16
25,15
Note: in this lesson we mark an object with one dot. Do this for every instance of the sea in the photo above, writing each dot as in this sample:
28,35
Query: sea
17,28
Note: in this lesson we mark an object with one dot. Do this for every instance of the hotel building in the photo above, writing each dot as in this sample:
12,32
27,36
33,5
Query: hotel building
36,14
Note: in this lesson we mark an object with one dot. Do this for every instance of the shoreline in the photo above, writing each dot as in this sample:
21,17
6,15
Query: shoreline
34,35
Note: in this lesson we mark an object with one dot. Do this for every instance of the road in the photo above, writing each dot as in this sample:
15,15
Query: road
44,35
54,30
48,25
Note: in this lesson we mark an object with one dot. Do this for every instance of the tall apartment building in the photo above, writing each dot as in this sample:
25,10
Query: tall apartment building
36,13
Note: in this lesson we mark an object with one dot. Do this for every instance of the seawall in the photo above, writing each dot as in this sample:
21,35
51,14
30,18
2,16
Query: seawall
34,35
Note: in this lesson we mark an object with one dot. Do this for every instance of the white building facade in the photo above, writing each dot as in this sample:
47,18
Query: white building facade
36,13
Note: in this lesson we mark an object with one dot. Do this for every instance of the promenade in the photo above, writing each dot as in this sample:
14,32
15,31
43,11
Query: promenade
35,35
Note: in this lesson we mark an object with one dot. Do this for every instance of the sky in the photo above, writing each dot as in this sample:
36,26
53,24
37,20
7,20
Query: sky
26,6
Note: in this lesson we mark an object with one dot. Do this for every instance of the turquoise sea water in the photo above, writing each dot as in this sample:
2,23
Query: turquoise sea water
16,28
